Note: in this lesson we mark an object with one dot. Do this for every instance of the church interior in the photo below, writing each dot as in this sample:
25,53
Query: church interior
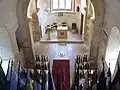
59,45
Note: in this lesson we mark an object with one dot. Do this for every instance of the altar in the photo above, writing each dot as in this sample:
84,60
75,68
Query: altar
62,32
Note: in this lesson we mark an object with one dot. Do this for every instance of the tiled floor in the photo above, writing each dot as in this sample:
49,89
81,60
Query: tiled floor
73,38
53,51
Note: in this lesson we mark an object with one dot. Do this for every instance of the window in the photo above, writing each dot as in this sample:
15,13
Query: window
62,5
113,48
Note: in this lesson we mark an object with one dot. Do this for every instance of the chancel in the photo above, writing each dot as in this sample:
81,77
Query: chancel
59,45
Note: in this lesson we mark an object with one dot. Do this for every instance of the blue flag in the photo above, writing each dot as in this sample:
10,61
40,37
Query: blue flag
28,81
37,86
2,78
102,80
12,79
21,78
50,83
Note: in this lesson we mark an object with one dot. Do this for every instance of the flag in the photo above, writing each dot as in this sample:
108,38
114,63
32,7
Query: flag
76,79
44,79
11,77
21,78
28,81
102,80
14,78
50,82
36,76
109,85
2,78
37,86
94,80
7,78
22,81
73,81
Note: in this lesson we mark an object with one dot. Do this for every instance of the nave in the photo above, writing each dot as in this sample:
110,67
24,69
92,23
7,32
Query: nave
45,77
58,68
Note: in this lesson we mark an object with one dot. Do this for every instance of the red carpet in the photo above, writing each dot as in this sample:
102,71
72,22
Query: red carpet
63,69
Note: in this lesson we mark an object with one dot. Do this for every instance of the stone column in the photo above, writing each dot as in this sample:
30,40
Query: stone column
94,54
85,26
37,34
23,33
14,44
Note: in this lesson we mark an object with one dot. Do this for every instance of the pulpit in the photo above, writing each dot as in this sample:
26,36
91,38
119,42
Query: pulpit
62,32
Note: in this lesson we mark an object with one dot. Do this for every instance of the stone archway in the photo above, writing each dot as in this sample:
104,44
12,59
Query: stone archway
25,40
23,33
113,48
99,6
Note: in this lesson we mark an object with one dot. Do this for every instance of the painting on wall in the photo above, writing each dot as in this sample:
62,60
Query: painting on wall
60,14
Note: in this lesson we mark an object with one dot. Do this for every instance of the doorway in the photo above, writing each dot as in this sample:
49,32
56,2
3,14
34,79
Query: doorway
81,26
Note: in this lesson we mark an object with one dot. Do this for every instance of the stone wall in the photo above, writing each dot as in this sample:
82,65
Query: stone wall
8,26
23,33
48,18
107,16
111,19
94,56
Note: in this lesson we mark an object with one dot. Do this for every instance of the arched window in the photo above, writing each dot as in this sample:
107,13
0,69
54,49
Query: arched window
113,48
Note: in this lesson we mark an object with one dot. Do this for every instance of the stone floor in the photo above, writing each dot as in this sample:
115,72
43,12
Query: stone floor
53,50
72,38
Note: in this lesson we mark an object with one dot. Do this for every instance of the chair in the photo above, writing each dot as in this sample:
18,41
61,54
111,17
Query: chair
64,24
74,28
54,26
48,27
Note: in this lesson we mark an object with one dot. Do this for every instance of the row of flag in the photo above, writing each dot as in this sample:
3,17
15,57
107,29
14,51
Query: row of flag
81,62
41,58
81,69
80,59
84,79
25,79
41,62
104,82
41,79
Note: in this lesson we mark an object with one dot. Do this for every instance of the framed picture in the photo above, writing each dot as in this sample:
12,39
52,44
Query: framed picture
60,14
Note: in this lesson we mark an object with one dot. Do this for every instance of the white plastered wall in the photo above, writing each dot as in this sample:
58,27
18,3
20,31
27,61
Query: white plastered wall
8,26
46,18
